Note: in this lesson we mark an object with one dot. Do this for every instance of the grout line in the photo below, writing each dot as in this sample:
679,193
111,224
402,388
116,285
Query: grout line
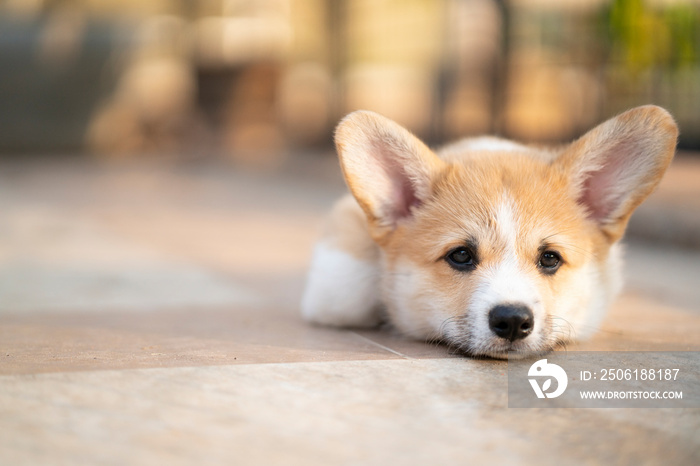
386,348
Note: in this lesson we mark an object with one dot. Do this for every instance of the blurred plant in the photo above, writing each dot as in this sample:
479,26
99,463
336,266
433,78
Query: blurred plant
643,36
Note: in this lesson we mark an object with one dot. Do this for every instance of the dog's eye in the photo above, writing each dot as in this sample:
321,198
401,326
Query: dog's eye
461,259
549,262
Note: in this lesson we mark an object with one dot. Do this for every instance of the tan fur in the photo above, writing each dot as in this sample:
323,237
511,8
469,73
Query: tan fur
346,229
512,202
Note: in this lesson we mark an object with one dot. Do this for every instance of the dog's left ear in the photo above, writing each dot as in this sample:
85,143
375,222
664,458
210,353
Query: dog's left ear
615,166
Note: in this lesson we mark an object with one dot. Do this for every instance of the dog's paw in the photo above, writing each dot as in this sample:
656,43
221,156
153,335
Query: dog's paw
341,290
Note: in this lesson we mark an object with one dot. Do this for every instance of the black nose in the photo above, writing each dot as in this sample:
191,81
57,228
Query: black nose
511,322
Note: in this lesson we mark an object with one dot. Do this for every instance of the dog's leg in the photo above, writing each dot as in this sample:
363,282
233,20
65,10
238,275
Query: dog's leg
343,282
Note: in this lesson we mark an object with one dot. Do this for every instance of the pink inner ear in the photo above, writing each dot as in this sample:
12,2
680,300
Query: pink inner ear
594,195
404,197
602,191
403,192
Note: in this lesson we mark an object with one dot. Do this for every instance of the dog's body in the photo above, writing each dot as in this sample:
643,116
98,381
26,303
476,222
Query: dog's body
491,246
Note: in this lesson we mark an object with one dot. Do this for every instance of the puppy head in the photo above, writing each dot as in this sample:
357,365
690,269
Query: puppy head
502,252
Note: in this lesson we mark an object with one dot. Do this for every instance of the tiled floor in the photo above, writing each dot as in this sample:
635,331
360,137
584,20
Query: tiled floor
148,315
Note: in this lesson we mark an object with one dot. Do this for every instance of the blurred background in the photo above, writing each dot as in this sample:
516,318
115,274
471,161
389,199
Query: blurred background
165,169
258,81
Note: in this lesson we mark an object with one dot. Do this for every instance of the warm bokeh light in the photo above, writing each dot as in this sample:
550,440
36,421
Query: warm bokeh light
258,80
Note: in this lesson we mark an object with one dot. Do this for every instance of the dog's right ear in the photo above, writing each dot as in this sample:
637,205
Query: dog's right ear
388,169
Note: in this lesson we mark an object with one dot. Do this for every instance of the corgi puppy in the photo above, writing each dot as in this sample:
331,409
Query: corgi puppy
496,248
